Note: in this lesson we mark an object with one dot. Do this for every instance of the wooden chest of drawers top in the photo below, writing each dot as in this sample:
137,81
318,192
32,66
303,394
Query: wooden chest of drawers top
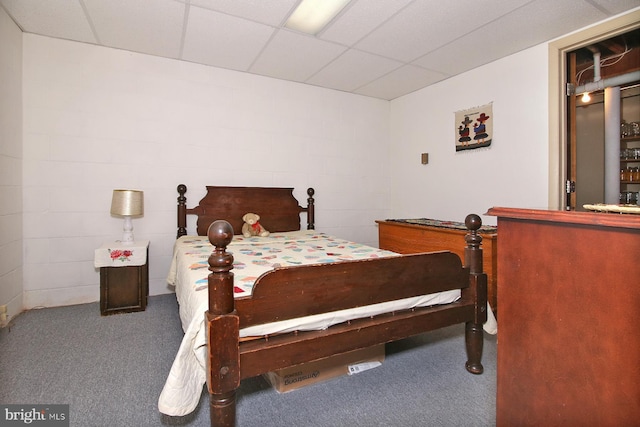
407,236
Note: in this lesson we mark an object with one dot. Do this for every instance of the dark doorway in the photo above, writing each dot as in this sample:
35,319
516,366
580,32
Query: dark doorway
608,60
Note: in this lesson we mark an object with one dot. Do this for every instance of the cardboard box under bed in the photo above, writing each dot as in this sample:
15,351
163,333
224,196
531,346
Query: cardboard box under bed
295,377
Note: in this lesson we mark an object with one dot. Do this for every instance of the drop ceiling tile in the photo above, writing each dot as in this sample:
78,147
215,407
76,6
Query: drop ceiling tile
613,7
148,26
494,41
271,12
224,41
427,25
400,82
294,56
245,34
461,55
360,18
54,18
551,18
352,70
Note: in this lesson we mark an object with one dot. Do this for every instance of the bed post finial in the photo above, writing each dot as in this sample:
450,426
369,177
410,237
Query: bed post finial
473,252
182,211
220,234
477,290
311,209
222,329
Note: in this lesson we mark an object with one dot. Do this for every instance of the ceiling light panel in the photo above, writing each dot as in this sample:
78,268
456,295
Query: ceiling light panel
311,16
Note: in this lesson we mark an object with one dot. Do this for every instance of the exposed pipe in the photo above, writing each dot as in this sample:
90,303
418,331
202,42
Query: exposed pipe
609,82
612,145
596,67
596,63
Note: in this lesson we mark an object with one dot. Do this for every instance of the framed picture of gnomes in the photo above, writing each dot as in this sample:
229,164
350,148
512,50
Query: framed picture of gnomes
474,128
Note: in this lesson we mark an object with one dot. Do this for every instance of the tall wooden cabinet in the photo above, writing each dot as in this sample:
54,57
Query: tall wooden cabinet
569,347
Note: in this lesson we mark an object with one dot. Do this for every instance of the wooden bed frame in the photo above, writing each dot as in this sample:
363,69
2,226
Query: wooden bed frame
319,288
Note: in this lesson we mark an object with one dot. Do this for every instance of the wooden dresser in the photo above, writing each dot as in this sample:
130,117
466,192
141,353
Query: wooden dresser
408,236
569,351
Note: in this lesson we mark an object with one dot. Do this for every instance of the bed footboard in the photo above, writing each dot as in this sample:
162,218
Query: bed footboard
229,361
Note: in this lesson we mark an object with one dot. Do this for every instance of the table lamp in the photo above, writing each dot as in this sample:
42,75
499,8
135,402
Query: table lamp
127,204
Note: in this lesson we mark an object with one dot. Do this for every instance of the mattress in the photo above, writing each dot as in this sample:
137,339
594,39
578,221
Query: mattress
254,256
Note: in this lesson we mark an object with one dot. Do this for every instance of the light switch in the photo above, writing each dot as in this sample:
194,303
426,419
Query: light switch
425,158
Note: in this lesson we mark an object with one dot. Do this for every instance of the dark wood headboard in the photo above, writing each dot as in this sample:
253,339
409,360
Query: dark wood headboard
278,209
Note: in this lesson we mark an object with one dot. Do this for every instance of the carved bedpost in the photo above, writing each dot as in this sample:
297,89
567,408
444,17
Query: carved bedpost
222,330
182,211
474,335
311,209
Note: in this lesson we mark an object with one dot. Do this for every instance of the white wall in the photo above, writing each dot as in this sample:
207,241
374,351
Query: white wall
513,171
11,257
96,119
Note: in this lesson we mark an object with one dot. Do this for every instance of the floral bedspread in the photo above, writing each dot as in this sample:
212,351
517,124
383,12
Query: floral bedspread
254,256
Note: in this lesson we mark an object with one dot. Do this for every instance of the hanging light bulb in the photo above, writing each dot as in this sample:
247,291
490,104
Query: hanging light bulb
586,97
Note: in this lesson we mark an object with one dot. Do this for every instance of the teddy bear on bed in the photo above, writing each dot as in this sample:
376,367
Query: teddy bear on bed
252,227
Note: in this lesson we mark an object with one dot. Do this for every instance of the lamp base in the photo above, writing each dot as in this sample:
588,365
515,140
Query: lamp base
127,236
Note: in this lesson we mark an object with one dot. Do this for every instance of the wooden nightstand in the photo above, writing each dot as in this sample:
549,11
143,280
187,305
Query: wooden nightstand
124,276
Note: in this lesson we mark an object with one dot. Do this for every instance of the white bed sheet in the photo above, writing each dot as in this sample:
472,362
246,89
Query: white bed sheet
253,257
